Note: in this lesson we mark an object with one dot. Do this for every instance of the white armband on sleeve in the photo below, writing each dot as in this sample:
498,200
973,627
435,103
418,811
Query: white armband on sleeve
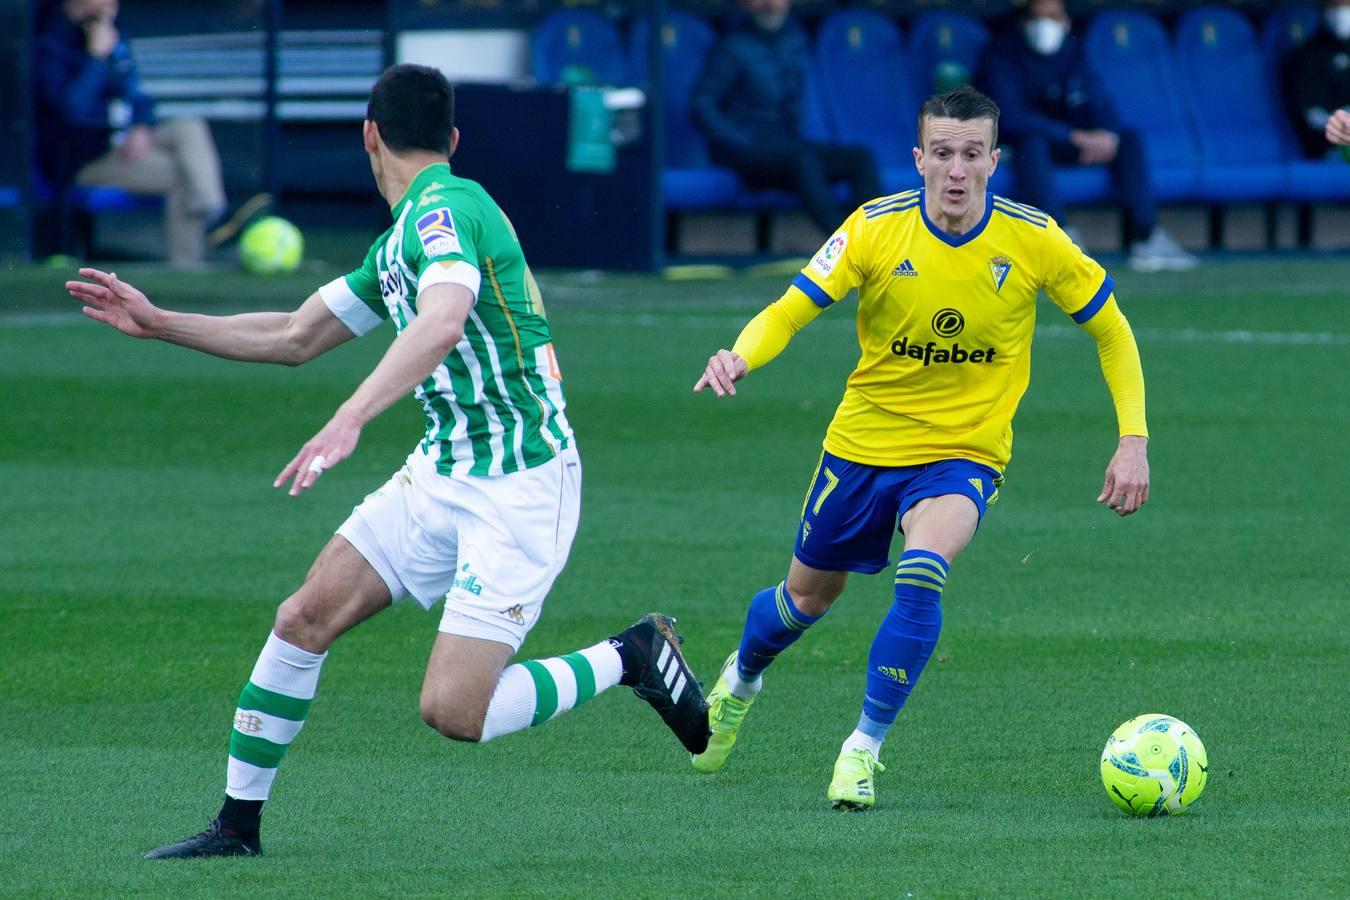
348,307
457,272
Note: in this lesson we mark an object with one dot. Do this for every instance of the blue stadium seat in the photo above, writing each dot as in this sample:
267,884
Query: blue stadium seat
689,181
1225,79
111,199
1284,29
576,38
10,197
865,86
938,37
685,43
93,199
817,121
1075,184
1133,56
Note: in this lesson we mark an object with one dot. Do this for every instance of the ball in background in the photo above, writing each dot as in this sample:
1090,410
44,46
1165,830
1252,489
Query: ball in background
1154,765
271,246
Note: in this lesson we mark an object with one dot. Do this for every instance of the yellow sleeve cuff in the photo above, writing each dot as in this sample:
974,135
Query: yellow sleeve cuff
765,336
1120,365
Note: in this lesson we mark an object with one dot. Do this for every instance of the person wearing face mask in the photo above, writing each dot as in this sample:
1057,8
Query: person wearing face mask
1317,82
1056,111
97,127
748,101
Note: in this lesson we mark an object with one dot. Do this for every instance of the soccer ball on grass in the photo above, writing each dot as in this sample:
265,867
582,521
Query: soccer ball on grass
1154,765
271,246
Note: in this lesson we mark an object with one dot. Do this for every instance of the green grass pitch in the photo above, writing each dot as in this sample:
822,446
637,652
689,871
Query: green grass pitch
143,551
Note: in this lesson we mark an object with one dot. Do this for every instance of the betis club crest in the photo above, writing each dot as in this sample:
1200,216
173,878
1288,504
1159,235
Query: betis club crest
999,267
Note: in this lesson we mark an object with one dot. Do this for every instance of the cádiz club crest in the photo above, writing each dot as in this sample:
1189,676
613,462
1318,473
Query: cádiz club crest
999,267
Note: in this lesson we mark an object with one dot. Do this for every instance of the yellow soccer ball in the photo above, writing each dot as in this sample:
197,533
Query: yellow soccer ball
271,246
1154,765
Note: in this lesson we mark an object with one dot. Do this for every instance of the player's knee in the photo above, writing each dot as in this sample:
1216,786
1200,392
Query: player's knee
814,599
453,722
299,622
813,604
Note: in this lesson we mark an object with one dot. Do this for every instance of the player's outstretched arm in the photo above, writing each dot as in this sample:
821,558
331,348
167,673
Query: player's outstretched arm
763,338
270,337
442,310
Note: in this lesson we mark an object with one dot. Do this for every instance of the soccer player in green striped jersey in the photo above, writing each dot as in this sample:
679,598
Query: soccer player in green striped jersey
483,511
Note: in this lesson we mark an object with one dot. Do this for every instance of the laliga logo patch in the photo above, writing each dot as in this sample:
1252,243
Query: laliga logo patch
829,255
437,231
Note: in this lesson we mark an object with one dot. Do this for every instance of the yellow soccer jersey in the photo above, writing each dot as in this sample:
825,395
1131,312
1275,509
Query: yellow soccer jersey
944,325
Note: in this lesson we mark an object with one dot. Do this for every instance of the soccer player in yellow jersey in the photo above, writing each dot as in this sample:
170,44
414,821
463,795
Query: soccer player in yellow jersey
947,279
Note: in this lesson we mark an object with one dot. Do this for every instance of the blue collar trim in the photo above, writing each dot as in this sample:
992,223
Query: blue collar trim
956,240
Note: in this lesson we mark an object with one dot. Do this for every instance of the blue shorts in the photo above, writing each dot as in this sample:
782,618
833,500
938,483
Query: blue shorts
852,510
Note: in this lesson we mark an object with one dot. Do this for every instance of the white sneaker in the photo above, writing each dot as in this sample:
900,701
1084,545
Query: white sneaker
1160,252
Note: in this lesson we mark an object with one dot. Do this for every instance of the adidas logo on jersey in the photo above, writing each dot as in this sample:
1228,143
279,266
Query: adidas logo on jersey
906,268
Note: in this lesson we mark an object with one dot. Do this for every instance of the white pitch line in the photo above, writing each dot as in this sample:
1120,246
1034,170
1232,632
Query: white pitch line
30,319
1241,337
1201,336
1160,335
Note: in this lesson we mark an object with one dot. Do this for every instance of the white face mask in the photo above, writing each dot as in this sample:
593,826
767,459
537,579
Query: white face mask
1338,22
1045,35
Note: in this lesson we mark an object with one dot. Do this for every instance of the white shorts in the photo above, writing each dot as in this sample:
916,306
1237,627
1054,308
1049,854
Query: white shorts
491,546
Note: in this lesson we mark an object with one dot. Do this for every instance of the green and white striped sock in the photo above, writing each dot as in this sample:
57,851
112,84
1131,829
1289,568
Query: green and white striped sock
271,712
532,692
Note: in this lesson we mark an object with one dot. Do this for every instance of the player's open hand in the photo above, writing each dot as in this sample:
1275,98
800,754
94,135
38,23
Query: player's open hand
1126,485
725,368
113,302
334,443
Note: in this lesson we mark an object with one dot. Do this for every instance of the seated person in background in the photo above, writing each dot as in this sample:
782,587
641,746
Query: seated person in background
748,101
96,127
1317,79
1055,110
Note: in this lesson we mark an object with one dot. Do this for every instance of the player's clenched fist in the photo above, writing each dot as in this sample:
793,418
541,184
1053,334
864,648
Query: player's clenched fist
725,368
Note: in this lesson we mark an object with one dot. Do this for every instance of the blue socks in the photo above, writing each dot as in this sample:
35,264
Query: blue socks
772,624
899,652
904,642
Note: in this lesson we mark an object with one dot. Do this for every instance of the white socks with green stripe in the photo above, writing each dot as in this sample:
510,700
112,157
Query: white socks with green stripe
274,703
532,692
272,710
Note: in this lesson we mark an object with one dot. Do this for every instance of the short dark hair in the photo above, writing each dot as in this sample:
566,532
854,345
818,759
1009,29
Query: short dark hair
414,108
963,103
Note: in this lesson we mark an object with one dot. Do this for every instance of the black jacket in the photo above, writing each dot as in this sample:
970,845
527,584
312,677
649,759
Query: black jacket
74,93
1316,78
1050,95
752,87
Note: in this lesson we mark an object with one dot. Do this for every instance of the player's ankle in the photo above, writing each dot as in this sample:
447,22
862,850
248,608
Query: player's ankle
743,688
240,817
630,658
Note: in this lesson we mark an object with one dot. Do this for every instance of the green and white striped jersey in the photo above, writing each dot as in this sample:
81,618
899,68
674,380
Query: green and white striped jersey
495,405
